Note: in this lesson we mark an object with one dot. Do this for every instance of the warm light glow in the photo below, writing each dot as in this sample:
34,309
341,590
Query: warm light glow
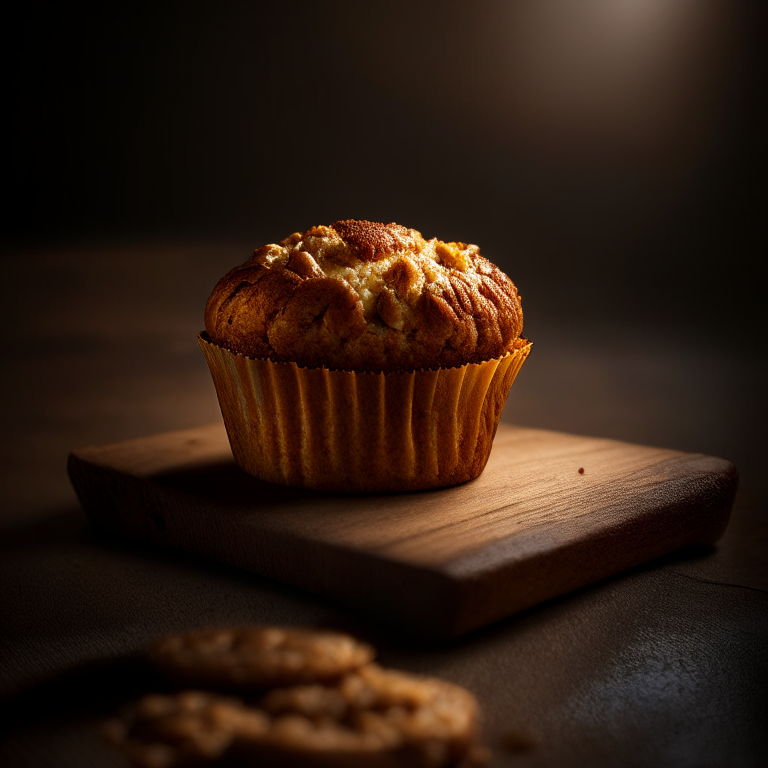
625,72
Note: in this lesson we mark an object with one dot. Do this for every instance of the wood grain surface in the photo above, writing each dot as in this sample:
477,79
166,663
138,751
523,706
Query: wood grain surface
551,513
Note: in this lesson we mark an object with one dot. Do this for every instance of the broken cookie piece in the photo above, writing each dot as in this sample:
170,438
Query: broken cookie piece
258,657
371,717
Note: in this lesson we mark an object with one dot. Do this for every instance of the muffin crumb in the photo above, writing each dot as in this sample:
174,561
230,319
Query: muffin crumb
519,741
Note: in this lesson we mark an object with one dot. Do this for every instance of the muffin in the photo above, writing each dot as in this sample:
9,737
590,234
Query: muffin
361,357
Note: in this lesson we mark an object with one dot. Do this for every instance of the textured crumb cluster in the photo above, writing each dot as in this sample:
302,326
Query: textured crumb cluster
358,295
302,698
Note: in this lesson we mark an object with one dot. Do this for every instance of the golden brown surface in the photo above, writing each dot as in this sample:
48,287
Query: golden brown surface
189,728
258,657
359,295
373,717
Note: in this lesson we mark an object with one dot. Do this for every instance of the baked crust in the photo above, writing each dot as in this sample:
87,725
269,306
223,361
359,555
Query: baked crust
258,657
363,296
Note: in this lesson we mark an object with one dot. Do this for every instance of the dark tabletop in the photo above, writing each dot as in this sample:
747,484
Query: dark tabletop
664,665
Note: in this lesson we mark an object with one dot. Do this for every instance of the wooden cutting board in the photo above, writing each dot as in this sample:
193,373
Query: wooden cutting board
552,512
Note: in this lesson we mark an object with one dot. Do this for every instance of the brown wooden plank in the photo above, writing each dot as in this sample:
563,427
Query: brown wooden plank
441,562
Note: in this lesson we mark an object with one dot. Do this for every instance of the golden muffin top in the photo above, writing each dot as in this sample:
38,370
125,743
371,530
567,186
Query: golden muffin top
363,296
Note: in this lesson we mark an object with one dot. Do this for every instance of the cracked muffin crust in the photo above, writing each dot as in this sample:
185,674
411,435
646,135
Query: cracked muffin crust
364,296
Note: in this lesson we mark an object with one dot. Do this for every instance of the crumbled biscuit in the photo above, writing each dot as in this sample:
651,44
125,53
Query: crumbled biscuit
363,296
258,657
188,728
371,717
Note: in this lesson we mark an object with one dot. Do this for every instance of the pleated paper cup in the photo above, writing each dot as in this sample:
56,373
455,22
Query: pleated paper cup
349,432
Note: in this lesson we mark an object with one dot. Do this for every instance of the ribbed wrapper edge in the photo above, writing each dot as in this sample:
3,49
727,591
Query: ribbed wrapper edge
352,432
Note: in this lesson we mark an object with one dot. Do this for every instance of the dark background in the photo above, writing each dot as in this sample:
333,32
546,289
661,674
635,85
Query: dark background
607,154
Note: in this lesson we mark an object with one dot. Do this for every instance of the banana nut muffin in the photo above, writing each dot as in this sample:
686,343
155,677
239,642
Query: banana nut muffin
361,358
363,296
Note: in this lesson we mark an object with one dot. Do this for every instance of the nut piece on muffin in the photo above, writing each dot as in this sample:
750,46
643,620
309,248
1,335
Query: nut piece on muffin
363,296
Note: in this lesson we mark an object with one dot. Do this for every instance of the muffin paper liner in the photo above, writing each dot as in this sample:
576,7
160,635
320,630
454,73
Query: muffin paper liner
349,432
